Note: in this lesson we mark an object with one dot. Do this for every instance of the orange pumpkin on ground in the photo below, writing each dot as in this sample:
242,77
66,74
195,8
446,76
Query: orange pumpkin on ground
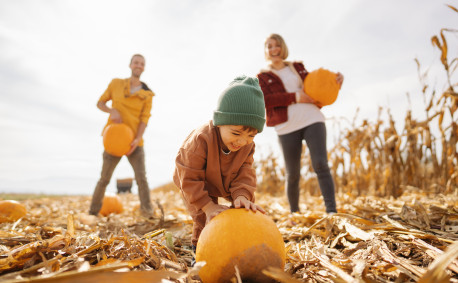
11,210
111,204
117,139
237,237
321,85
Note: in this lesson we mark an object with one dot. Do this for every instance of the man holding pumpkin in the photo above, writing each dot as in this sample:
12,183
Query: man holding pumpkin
131,102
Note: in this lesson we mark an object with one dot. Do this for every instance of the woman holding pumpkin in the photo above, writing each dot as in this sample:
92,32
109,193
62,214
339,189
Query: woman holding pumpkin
296,117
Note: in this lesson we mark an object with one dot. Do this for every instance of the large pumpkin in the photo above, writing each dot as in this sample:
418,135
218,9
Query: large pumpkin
117,139
238,237
11,210
111,204
321,85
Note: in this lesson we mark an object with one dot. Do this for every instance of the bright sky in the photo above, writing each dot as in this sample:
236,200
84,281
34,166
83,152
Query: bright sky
57,58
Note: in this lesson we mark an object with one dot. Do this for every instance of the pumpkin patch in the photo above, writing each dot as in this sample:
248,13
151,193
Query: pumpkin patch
321,85
243,239
117,139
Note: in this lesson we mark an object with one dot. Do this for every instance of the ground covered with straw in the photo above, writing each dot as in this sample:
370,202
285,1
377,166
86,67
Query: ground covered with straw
408,239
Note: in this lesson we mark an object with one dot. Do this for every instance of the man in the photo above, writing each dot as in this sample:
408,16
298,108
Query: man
131,102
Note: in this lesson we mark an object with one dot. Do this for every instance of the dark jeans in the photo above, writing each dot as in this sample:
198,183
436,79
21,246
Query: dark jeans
137,160
291,144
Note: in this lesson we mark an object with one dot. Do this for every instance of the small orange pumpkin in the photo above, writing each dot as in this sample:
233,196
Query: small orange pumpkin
11,210
117,139
238,237
111,204
321,85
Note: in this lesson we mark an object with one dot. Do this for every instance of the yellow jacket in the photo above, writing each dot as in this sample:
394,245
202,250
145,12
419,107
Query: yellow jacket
134,108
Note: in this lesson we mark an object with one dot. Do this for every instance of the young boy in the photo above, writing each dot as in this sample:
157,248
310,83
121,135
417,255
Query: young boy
216,159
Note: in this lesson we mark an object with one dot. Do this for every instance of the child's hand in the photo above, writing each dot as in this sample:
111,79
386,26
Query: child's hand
212,209
242,201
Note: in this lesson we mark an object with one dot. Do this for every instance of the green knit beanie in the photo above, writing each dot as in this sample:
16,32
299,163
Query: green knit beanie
241,103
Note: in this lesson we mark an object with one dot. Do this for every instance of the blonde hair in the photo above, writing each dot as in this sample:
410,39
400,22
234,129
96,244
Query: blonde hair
284,49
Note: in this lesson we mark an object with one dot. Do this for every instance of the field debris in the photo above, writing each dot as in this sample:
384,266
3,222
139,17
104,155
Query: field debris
371,239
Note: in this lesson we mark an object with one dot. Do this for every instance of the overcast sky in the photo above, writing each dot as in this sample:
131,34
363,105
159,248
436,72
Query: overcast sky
58,57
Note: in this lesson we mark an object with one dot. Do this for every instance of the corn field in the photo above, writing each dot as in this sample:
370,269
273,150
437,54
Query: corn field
374,158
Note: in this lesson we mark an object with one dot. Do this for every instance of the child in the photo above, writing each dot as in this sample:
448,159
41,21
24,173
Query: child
216,159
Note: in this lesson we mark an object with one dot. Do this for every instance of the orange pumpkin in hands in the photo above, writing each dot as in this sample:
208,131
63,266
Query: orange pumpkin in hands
117,139
111,204
238,237
11,210
321,85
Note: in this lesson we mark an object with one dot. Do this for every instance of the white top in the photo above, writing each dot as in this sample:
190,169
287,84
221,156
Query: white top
300,115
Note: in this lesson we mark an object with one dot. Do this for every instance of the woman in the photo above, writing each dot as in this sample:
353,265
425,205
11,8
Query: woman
296,117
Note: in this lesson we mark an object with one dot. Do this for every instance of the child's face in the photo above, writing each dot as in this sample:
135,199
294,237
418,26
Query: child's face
234,137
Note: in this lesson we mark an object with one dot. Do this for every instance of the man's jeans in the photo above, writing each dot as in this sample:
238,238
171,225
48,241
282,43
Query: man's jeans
137,160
